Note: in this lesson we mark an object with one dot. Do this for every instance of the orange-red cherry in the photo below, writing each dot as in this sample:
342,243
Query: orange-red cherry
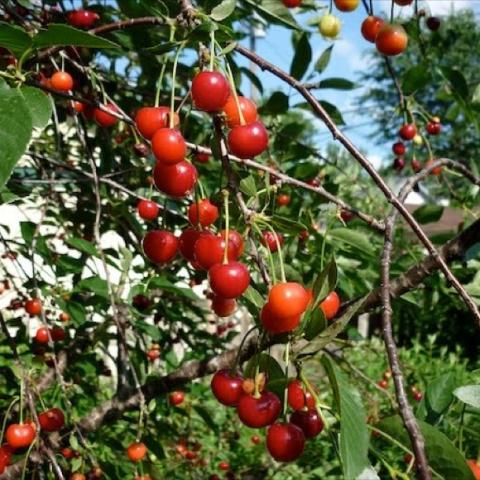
210,91
408,131
160,246
391,40
42,335
247,107
371,26
202,212
176,398
33,306
62,81
288,299
274,324
136,452
150,119
20,435
186,243
331,305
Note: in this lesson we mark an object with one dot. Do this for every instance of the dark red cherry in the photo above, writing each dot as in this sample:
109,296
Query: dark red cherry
229,280
309,421
175,180
285,441
269,239
247,141
416,165
160,246
210,91
147,209
398,164
295,395
433,23
236,240
434,128
186,243
223,307
209,250
399,148
58,334
168,146
227,388
259,412
408,131
82,18
51,420
141,302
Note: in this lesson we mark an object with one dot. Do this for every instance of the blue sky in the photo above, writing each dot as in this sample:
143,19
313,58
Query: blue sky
349,56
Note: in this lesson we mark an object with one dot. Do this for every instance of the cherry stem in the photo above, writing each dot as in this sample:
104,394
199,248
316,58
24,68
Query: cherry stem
313,393
159,84
172,97
280,254
234,92
269,255
212,49
330,7
392,9
24,469
227,225
7,414
240,347
287,362
21,399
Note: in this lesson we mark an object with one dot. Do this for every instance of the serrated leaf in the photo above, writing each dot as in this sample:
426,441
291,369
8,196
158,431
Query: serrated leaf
39,105
248,186
223,10
442,455
336,83
469,394
58,34
428,213
14,39
302,58
354,437
15,130
324,59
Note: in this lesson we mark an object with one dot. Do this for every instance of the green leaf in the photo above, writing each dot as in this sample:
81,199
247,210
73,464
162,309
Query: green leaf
355,238
95,285
248,186
277,104
457,82
442,455
151,331
354,437
439,395
64,35
333,112
223,10
39,104
267,364
254,297
15,130
83,246
416,78
315,322
14,39
476,95
275,11
164,284
428,213
324,59
325,282
302,58
287,225
27,229
469,394
207,417
336,83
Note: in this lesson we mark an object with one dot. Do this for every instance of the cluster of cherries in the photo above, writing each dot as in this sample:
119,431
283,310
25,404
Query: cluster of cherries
384,383
409,132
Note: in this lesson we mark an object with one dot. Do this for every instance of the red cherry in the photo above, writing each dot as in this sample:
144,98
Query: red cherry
399,164
255,439
62,81
82,18
292,3
236,240
151,119
309,421
20,435
371,26
168,146
296,395
147,209
103,118
399,148
175,180
209,250
288,299
274,324
224,466
246,141
33,306
331,305
51,420
160,246
417,396
153,354
269,239
176,398
475,468
203,212
416,166
223,307
382,383
227,388
437,170
202,157
141,302
210,91
285,441
434,128
408,131
258,412
391,40
136,451
403,3
58,334
42,335
248,108
283,200
67,452
64,317
229,280
433,23
186,243
6,452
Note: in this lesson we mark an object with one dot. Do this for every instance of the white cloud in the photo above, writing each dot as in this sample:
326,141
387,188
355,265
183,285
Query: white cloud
434,7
